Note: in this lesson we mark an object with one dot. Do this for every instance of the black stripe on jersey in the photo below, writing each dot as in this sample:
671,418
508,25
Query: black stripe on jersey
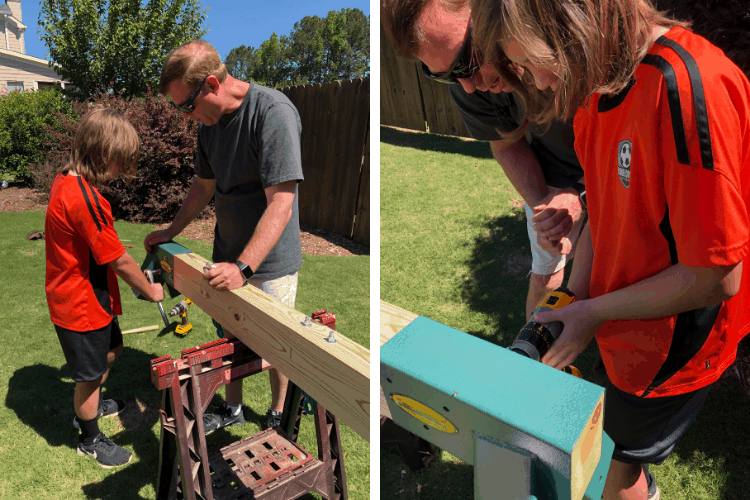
608,103
675,109
99,206
699,100
691,331
666,229
88,203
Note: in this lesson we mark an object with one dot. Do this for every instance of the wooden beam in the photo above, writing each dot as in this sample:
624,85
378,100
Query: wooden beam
337,375
393,319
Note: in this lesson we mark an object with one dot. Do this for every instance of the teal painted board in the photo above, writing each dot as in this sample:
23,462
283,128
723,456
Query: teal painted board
534,398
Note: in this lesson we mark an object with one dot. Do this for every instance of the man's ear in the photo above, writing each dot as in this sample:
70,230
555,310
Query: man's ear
212,83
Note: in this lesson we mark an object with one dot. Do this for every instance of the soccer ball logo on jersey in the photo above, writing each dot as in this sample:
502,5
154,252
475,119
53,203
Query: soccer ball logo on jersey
624,154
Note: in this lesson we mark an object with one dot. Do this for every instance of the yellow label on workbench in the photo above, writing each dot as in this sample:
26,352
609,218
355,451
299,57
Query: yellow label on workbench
424,414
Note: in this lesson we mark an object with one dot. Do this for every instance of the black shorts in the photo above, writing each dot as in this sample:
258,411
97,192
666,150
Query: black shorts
645,430
86,352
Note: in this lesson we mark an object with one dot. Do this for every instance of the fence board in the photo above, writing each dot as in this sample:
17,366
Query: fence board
441,113
362,221
400,98
335,121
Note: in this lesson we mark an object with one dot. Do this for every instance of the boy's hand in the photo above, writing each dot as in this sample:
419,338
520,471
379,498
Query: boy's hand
157,292
155,238
224,276
580,325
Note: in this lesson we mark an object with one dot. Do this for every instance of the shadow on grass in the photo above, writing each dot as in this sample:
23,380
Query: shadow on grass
720,437
44,401
435,142
497,283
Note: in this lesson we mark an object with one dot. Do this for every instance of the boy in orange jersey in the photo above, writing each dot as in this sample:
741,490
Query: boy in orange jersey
84,255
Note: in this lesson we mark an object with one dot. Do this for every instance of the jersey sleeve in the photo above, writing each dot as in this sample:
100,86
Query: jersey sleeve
707,211
484,117
93,221
280,155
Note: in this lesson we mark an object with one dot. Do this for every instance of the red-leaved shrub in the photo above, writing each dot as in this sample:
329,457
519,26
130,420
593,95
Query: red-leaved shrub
165,162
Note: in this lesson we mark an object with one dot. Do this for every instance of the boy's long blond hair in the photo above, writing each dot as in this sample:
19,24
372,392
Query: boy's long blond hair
595,46
105,146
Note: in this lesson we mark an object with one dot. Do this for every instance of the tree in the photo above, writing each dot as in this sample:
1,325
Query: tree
317,50
116,45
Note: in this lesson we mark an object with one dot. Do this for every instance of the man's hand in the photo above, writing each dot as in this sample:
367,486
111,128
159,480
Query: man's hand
554,218
155,238
224,276
580,324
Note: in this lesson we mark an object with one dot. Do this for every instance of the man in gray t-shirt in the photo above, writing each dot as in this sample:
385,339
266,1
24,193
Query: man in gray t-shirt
543,169
249,159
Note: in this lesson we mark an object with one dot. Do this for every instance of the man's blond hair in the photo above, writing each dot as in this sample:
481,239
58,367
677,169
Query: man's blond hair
105,146
191,63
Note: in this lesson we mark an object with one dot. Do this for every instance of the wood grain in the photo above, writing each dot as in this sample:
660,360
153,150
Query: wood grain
393,319
337,375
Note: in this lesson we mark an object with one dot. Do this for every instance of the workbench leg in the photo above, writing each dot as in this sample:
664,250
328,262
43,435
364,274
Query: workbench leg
330,452
292,412
166,481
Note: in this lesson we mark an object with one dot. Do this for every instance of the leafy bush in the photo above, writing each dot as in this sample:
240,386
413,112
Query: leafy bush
165,162
23,119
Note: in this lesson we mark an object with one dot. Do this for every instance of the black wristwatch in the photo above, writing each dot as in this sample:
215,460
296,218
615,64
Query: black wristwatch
245,270
581,193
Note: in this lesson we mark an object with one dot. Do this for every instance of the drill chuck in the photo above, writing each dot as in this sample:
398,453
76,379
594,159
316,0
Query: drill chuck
179,308
535,339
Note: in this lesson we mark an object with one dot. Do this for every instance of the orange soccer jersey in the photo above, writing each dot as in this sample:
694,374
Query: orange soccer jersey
80,241
667,169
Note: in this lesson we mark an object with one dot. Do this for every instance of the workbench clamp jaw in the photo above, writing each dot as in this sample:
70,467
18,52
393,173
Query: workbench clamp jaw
161,263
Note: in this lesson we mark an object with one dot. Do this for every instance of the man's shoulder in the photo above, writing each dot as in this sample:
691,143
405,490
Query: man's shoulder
267,97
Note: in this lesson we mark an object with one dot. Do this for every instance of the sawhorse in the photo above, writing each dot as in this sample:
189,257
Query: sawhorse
269,465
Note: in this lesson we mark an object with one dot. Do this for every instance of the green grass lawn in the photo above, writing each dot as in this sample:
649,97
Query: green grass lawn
454,248
37,440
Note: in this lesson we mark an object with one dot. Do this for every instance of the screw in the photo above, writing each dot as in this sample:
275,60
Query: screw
331,339
307,321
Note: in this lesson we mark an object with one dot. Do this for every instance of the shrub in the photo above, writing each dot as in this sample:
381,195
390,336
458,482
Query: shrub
24,116
165,162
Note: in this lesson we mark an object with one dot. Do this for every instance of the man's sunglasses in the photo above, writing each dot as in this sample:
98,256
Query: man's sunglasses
465,65
188,106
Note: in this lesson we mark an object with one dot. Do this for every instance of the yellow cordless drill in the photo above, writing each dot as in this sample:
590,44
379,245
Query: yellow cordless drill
535,339
184,327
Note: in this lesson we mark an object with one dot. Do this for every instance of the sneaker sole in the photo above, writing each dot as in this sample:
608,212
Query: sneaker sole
656,496
84,454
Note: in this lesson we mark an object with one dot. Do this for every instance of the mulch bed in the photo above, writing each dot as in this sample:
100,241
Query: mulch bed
314,241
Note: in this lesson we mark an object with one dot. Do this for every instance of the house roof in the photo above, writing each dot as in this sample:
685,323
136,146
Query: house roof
24,57
5,10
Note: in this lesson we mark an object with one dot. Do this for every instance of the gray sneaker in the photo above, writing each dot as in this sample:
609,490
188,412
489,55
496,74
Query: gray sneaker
106,453
223,417
107,408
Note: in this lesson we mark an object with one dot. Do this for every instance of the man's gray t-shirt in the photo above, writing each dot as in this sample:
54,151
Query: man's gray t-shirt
254,147
485,113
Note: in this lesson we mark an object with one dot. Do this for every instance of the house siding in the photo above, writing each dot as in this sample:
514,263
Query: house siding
14,70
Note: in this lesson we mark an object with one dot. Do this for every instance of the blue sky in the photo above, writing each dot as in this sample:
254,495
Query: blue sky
231,23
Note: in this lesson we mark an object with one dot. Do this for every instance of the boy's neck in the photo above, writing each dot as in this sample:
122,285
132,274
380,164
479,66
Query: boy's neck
73,173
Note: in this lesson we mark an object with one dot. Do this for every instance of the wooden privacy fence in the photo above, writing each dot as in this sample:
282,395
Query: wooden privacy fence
335,147
409,100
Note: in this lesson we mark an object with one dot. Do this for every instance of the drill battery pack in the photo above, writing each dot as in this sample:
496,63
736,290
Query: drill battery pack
325,318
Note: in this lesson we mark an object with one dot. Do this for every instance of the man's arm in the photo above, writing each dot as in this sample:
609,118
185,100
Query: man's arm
522,169
677,289
278,212
200,193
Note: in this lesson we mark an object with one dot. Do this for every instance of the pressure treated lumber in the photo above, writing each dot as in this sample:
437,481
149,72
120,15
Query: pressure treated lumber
337,375
392,320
